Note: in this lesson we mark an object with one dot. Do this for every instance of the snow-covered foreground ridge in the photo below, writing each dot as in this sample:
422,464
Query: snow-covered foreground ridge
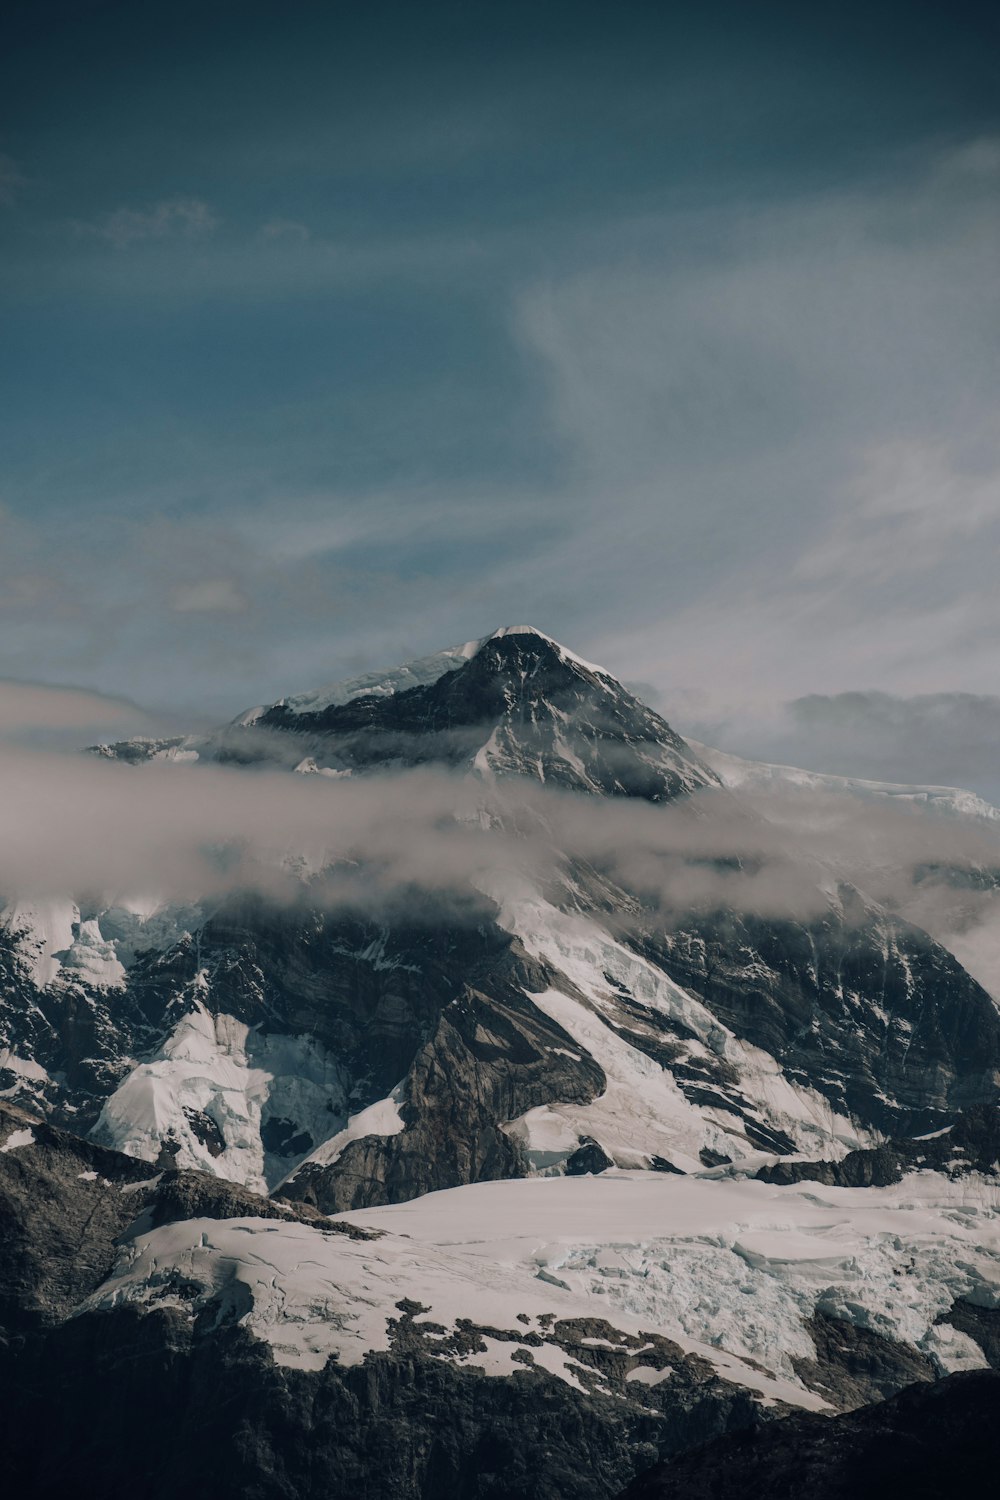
728,1269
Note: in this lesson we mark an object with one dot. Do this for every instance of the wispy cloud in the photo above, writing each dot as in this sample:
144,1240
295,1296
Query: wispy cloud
186,832
188,218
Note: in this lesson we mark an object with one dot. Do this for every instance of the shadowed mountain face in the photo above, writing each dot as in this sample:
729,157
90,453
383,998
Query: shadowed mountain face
928,1443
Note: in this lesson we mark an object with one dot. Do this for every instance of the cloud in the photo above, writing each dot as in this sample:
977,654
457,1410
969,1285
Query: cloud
188,218
38,712
741,447
110,832
908,503
783,439
210,596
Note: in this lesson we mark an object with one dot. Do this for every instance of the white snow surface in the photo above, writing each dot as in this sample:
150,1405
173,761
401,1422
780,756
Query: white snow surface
727,1268
59,945
381,1118
44,930
239,1077
17,1139
642,1112
755,775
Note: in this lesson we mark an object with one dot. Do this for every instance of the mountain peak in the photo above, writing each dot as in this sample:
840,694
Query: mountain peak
423,671
563,651
515,702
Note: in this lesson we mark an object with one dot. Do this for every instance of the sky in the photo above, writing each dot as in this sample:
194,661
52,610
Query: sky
334,334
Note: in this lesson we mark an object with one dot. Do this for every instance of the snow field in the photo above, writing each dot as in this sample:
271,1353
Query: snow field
726,1268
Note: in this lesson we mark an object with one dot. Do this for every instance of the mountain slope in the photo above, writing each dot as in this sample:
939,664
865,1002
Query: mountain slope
360,1058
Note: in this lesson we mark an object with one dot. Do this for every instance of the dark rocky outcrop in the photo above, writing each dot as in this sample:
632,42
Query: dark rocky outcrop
118,1404
876,1167
63,1204
982,1324
181,1399
930,1442
971,1144
66,1204
489,1060
853,1366
857,1004
589,1157
545,715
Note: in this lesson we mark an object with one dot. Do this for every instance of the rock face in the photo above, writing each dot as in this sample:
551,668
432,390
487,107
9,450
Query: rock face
178,1394
970,1145
930,1441
146,1403
866,1008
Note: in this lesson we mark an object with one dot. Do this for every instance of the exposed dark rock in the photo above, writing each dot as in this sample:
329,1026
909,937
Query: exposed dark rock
66,1203
854,1365
489,1060
533,704
930,1442
981,1324
63,1204
281,1138
866,1168
857,1004
971,1144
120,1403
196,1195
205,1129
589,1157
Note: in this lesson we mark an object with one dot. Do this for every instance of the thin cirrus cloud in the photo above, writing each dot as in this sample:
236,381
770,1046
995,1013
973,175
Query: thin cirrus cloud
187,218
285,229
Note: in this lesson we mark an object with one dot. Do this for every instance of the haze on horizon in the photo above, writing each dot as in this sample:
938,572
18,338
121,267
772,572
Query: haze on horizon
333,336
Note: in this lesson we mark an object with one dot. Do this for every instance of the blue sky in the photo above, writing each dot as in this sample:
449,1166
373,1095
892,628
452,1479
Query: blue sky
334,334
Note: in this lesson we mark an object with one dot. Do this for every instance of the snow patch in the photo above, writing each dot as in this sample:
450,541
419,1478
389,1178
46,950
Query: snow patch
212,1090
381,1118
17,1139
643,1112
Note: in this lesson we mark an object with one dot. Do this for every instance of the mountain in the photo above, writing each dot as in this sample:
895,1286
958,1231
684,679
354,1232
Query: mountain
614,1096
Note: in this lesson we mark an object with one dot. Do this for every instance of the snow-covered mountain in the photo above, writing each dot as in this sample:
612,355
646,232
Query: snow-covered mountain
543,1048
755,775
